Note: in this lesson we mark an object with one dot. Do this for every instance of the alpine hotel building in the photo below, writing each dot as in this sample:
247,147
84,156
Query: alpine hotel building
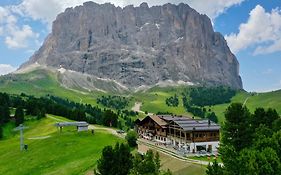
186,133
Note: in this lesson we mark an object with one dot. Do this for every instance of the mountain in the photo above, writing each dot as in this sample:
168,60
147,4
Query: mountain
136,47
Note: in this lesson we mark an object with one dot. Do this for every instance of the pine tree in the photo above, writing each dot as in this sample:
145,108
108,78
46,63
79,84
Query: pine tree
4,114
214,169
117,161
237,131
19,116
131,138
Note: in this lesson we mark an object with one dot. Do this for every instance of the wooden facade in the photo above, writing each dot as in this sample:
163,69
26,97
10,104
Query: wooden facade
180,131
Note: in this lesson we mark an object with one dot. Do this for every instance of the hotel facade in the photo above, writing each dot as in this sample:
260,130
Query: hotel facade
186,133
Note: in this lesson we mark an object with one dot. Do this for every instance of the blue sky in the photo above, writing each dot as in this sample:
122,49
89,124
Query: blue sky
252,29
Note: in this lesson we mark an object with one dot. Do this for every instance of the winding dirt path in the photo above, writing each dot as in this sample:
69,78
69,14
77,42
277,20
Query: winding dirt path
137,108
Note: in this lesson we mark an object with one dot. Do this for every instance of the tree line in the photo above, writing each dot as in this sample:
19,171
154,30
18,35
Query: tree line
250,142
30,105
115,102
195,100
209,96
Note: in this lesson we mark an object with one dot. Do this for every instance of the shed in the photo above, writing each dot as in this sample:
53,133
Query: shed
81,126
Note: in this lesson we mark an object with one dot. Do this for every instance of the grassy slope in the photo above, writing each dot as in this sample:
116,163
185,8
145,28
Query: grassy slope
179,167
154,100
68,152
265,100
40,83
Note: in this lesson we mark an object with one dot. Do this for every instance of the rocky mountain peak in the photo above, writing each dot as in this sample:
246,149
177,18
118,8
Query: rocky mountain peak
139,46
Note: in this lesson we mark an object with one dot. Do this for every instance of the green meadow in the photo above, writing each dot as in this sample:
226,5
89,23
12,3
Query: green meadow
51,152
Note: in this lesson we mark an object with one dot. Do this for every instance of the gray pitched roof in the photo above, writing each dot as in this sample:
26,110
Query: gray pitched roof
189,124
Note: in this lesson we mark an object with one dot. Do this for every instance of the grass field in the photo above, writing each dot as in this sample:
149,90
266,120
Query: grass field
252,101
154,100
68,152
179,167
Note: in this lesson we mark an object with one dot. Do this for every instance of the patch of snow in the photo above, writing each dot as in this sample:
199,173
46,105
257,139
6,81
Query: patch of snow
157,25
180,82
72,71
173,83
144,25
178,40
125,50
62,70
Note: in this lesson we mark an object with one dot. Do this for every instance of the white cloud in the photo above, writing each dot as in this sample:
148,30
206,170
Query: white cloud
262,31
3,14
213,8
46,10
19,37
6,68
16,35
1,31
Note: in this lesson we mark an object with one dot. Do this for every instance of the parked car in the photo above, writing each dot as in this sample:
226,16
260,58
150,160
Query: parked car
120,131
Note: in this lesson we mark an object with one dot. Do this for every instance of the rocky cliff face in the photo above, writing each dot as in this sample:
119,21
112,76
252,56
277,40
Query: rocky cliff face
140,46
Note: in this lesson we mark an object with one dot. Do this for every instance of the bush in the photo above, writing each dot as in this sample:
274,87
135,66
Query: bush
172,101
131,138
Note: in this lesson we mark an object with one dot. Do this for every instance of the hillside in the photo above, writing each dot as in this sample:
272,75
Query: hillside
41,82
54,153
69,152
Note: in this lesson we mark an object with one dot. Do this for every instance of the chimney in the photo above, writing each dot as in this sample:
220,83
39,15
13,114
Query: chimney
209,122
